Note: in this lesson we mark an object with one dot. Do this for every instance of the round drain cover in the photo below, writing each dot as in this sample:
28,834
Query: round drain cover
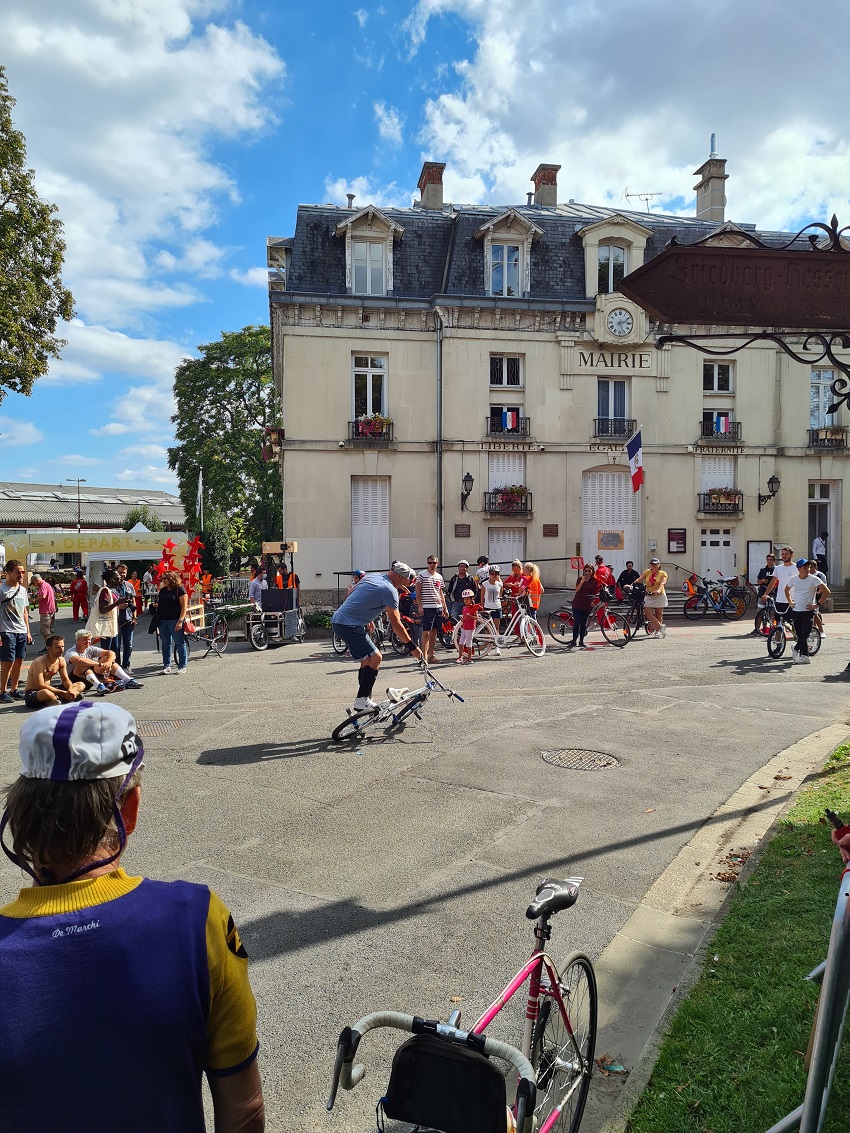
579,759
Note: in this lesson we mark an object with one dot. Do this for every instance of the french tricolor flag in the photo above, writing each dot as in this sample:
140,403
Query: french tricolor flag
635,451
509,419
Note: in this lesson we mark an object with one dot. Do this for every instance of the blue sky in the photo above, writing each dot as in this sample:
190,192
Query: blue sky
176,135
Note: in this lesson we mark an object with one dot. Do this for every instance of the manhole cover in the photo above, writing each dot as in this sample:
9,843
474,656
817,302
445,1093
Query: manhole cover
579,759
152,728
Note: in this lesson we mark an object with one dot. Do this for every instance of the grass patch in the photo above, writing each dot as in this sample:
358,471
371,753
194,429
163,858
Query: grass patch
732,1061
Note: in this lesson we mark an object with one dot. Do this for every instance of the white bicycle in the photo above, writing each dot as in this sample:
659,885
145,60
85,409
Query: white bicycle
521,628
392,715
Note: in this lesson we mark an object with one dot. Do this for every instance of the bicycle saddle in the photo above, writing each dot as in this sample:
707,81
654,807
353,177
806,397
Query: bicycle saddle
395,694
552,896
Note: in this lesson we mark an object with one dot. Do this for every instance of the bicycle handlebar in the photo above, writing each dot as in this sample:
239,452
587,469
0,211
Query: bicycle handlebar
450,693
347,1074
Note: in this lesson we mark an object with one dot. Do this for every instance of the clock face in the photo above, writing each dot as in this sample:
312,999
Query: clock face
619,322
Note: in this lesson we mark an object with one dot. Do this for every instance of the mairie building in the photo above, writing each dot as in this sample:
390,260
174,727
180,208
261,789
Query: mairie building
463,379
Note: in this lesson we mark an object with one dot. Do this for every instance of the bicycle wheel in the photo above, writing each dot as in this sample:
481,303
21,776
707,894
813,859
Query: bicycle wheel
695,607
615,628
532,636
776,641
814,640
482,639
560,625
742,592
733,607
339,645
446,636
399,646
259,636
220,634
763,623
563,1072
400,717
355,727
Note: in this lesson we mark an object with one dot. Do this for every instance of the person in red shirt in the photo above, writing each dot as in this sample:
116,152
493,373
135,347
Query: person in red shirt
587,588
515,584
468,617
80,596
604,574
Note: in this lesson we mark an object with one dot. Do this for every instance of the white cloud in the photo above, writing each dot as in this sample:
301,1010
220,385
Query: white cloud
368,192
389,123
18,433
113,429
148,474
553,83
93,351
149,452
76,460
252,277
361,15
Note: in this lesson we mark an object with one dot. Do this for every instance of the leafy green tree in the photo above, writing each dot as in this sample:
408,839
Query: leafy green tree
32,298
143,514
216,539
226,399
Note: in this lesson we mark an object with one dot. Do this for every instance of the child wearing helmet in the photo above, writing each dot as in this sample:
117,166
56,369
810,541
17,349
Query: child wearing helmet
468,617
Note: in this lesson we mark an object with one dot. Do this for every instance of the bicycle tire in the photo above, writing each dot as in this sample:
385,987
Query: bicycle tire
733,607
742,592
339,645
399,719
615,629
399,646
560,625
532,636
763,623
483,646
695,607
552,1053
814,640
259,636
355,726
776,641
446,639
220,633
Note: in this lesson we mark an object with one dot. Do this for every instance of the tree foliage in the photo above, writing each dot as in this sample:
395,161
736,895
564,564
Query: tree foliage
216,539
225,400
143,514
32,298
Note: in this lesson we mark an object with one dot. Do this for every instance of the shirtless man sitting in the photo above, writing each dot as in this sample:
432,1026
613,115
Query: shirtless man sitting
95,666
39,691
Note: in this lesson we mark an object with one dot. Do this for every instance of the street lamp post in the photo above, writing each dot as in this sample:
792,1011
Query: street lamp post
77,480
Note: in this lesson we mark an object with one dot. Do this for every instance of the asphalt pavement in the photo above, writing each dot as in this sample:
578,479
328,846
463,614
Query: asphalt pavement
395,874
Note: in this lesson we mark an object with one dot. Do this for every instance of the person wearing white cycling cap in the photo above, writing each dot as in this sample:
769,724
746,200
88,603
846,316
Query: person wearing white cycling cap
461,580
110,980
372,595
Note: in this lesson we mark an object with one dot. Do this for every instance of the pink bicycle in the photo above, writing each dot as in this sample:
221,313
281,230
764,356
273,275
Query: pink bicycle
443,1078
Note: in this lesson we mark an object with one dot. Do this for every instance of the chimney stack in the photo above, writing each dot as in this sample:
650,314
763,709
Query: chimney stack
431,185
711,190
545,178
351,197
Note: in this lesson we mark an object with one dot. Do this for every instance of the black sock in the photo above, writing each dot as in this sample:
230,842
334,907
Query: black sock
367,678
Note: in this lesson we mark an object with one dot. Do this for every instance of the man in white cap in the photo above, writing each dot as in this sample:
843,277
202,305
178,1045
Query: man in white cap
372,595
110,980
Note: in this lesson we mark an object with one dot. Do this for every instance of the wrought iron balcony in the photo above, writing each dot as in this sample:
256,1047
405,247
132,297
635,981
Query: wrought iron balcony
494,427
508,501
721,502
621,428
830,436
717,434
365,431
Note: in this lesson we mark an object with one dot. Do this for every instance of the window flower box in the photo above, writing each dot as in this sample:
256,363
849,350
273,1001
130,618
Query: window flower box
510,499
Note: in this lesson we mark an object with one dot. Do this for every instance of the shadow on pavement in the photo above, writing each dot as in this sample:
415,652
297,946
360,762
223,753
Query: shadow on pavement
259,753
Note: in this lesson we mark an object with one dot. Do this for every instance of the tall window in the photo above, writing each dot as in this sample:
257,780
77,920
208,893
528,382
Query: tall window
611,399
370,385
504,269
612,267
821,399
368,267
506,370
717,377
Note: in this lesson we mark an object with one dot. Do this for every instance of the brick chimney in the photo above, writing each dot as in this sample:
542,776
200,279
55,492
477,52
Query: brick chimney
711,190
431,185
545,178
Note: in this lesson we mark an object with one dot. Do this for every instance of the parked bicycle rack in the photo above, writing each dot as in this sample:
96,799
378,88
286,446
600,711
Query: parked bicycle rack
834,976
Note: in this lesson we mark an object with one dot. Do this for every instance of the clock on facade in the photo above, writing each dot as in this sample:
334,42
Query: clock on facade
619,322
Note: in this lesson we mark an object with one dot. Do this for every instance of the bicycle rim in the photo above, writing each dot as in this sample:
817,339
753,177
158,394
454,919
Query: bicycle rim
356,726
220,634
400,718
563,1073
695,608
734,607
339,645
813,641
776,641
615,628
532,636
560,626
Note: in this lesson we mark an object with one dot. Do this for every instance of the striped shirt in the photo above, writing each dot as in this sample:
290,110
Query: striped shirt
430,589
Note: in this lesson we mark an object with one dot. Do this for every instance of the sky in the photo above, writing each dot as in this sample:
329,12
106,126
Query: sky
176,135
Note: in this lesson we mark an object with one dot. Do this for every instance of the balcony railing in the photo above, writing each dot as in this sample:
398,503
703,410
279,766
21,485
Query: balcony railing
711,431
720,503
619,427
370,431
508,502
494,427
830,436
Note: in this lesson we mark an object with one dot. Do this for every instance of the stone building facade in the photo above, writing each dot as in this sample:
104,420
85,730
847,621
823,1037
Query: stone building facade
416,348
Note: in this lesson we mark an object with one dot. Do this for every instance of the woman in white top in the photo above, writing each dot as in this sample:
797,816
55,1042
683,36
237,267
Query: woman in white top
802,594
492,596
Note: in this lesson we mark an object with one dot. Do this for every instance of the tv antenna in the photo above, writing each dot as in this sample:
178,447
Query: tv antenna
647,197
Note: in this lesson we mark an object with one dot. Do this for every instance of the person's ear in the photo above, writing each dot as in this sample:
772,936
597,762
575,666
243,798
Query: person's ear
130,808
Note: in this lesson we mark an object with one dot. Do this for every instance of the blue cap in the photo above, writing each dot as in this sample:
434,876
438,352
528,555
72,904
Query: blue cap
357,573
802,563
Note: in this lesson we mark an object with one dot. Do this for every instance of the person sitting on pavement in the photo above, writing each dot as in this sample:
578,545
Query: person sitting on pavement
627,578
79,595
46,598
96,666
256,587
15,633
370,597
109,978
39,691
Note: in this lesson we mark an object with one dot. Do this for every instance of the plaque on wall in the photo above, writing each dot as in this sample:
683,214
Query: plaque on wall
677,538
550,530
462,531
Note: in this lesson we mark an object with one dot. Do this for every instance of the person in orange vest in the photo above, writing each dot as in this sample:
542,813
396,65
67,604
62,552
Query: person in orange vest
206,584
278,579
289,580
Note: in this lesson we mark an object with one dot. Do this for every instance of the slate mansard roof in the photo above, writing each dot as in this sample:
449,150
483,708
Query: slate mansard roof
440,254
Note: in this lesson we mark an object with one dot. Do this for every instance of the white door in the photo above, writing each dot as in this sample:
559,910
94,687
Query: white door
505,468
610,519
504,545
717,551
370,522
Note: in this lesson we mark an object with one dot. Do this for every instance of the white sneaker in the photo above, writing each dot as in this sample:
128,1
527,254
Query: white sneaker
362,703
823,633
166,672
801,660
180,671
795,653
663,631
497,652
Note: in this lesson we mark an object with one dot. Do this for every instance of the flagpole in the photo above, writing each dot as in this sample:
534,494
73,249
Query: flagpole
632,437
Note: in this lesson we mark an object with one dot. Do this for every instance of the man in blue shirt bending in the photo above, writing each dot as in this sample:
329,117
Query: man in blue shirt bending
372,595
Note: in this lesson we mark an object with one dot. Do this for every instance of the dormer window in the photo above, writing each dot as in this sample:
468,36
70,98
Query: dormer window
369,236
368,267
505,269
613,261
507,254
612,248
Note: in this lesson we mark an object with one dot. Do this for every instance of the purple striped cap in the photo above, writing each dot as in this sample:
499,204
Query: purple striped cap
79,741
